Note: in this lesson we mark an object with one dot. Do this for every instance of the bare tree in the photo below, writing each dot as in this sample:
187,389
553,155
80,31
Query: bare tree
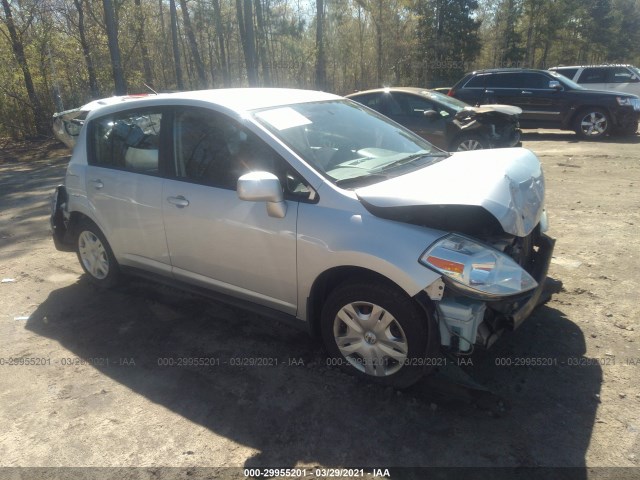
321,69
176,46
193,44
142,41
247,37
86,50
226,77
114,48
18,52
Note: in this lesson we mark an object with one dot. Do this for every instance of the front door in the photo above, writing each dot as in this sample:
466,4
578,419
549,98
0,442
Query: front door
215,239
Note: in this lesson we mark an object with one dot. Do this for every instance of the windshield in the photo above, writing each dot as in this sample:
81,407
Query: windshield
566,82
635,70
347,143
452,103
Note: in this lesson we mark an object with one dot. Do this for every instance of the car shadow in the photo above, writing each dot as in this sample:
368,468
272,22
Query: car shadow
570,137
293,407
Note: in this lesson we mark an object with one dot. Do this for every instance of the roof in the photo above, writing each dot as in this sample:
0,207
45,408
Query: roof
508,69
593,66
415,90
238,100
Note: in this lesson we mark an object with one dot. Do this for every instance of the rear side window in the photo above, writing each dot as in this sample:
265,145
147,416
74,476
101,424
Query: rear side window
505,80
620,75
476,81
593,75
127,141
409,105
371,100
567,72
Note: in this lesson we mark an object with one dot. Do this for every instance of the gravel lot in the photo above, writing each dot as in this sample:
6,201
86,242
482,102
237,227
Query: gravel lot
95,391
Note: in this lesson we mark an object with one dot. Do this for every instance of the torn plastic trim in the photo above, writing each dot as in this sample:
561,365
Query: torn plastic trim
57,221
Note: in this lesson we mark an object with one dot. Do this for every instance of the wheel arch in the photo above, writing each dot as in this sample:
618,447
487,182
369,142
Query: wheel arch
578,110
328,280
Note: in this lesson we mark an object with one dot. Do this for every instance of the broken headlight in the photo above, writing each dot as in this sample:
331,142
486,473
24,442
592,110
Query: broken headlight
476,268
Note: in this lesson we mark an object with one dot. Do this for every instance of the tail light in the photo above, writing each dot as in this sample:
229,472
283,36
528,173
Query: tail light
451,92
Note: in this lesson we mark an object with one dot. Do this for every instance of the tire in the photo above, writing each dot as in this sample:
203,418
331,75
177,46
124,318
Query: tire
466,143
592,123
393,350
628,130
95,255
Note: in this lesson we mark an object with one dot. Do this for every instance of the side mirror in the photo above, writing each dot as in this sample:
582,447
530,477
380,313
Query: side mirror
263,187
431,115
555,85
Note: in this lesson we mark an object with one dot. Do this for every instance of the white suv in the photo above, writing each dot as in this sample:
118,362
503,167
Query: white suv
617,78
311,208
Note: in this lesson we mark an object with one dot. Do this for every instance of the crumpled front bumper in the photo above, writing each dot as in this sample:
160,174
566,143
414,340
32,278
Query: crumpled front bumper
516,312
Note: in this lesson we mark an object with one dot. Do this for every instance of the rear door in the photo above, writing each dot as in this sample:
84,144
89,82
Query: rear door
409,110
544,105
124,185
215,239
593,78
623,79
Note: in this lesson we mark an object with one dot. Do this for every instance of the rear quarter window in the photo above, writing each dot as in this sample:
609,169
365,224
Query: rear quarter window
567,72
127,141
593,75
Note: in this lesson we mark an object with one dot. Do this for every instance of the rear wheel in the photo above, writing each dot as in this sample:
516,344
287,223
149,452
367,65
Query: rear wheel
95,255
375,331
592,123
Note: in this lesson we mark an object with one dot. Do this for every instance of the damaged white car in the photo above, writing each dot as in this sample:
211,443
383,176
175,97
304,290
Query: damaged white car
309,208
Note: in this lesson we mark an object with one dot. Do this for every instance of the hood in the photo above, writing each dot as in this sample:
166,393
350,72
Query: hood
504,109
467,191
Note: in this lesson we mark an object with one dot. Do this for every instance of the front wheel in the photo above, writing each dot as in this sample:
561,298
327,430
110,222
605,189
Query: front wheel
592,123
95,255
468,142
377,332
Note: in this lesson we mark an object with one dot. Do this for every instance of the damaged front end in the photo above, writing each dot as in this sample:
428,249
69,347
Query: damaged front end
499,123
480,295
493,263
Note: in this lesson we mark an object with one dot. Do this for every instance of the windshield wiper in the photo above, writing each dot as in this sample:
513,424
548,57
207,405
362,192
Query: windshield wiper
353,181
408,159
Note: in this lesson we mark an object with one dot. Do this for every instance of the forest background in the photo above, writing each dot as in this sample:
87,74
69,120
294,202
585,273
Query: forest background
59,54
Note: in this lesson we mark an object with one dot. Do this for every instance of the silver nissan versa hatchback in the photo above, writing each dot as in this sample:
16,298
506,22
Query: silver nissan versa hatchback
315,209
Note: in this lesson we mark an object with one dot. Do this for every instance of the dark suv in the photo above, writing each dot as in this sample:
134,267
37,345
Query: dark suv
550,100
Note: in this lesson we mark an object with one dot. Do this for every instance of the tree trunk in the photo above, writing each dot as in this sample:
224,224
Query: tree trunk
193,45
262,44
42,126
226,77
321,70
86,52
146,62
114,49
245,24
176,46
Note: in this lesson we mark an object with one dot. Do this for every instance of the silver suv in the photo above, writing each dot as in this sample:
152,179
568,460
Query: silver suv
618,78
312,208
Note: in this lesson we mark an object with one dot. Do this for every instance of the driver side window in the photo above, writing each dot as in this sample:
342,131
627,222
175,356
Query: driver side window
213,149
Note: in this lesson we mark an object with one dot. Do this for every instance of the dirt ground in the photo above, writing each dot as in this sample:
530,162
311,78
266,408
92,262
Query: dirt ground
84,380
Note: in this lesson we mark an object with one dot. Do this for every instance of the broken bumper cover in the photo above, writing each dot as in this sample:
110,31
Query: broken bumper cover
516,312
57,221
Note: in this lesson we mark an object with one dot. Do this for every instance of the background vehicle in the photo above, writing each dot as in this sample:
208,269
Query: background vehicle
312,209
550,100
618,78
446,122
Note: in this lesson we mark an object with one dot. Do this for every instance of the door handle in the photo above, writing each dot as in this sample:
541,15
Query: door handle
178,201
526,92
489,91
97,183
